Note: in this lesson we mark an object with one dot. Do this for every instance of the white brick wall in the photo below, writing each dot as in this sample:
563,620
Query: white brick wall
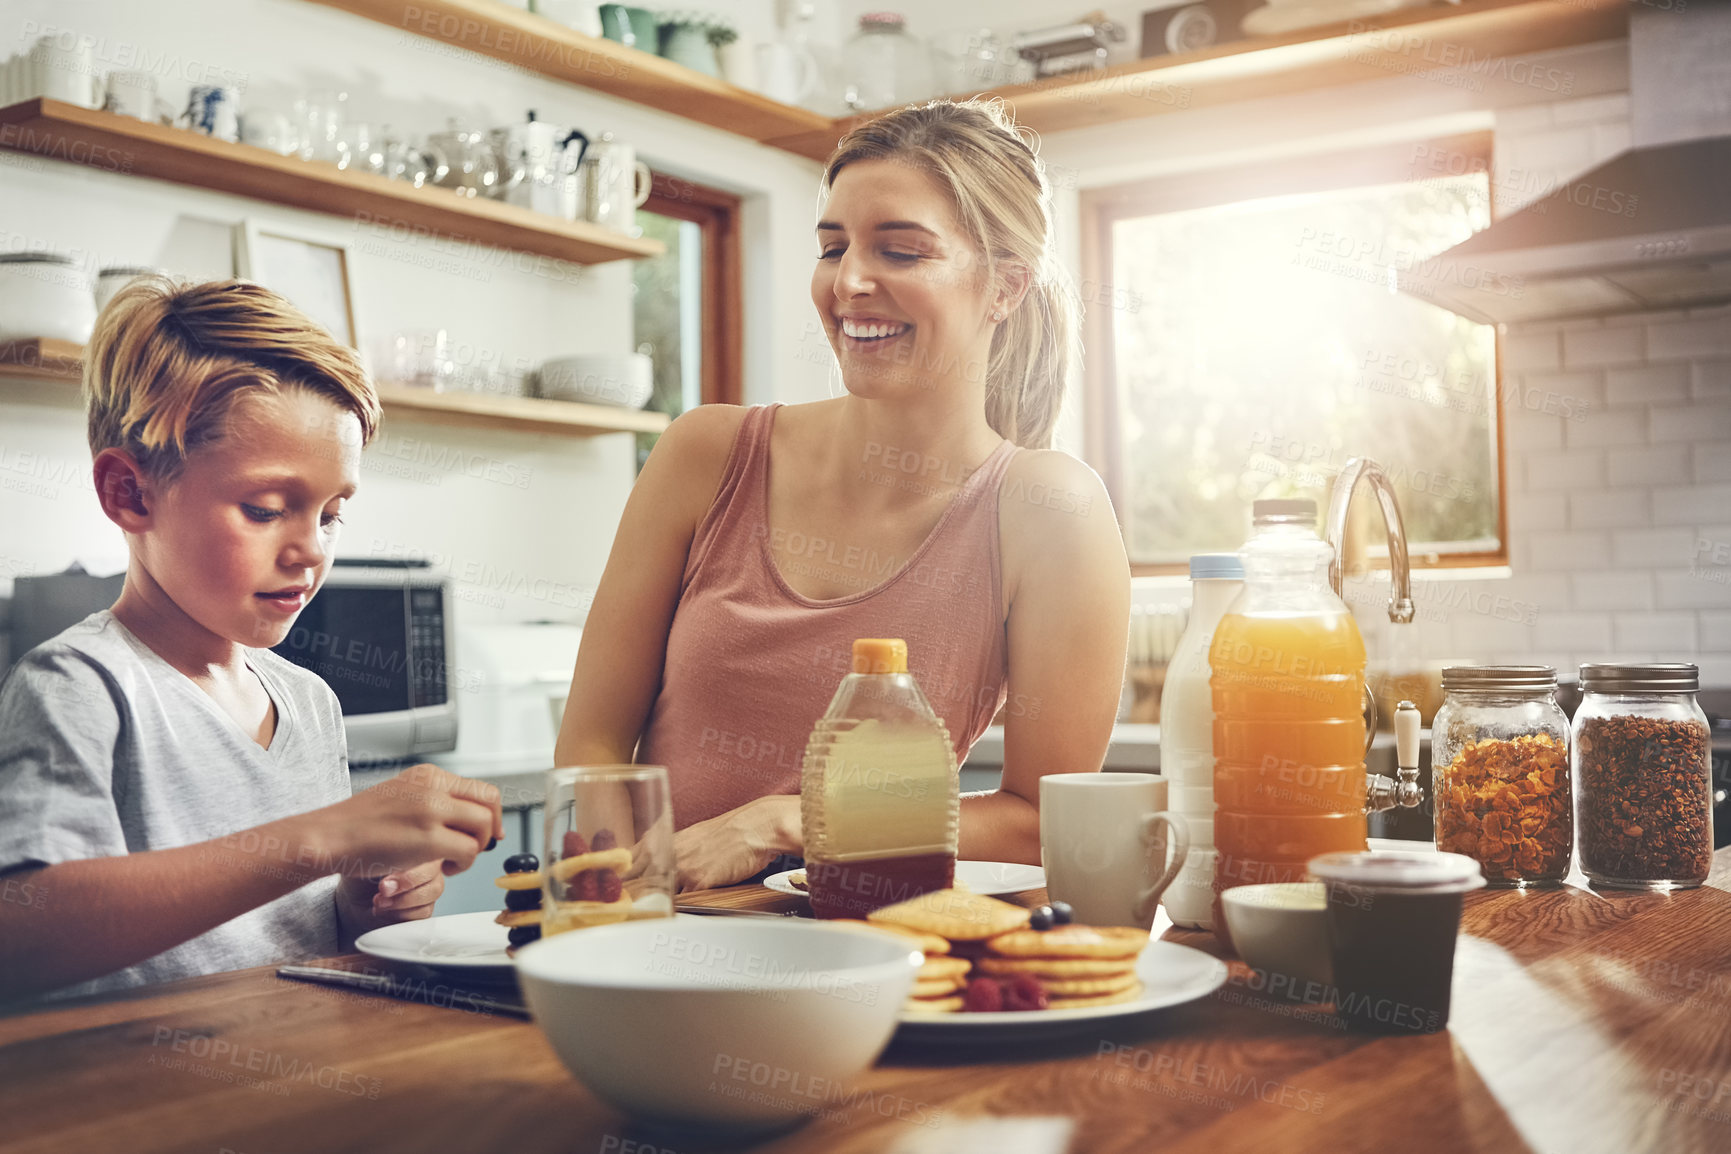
1619,521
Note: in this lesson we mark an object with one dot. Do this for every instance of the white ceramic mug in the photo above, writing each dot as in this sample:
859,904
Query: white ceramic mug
131,94
63,67
785,72
1103,841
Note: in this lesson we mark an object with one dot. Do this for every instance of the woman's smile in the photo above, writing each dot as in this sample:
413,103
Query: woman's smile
871,334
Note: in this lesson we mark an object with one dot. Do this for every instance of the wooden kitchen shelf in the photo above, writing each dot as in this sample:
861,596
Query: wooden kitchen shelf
41,359
1408,41
62,361
1439,37
522,414
537,44
114,143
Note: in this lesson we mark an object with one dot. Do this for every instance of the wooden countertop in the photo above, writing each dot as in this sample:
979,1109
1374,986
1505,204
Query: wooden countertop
1582,1022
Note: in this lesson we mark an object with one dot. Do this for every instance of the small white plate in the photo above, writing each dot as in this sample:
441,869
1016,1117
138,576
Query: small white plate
453,941
982,877
1171,975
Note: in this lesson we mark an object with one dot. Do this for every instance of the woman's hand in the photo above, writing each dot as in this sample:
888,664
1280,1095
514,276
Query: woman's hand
738,843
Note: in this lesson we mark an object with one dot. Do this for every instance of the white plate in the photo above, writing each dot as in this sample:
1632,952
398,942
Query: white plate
1171,975
454,941
983,877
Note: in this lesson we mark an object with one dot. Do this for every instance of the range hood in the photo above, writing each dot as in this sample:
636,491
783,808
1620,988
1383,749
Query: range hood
1651,229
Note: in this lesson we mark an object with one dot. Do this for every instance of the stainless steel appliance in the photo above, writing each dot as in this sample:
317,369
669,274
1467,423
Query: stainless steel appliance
379,634
1650,229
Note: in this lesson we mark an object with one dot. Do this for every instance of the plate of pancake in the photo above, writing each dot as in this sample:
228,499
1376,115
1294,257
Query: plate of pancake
1000,968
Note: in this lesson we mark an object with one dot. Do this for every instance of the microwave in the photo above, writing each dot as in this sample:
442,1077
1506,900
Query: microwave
379,634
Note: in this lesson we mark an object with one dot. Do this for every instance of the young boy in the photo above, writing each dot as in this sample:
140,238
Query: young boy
174,798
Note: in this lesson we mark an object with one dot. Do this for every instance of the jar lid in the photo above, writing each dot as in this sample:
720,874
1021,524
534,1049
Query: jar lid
1653,677
1399,870
125,270
1216,566
1283,509
37,258
1498,677
881,20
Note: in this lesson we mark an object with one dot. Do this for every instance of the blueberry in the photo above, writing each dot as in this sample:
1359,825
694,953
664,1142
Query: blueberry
1062,914
522,899
522,863
1042,919
520,935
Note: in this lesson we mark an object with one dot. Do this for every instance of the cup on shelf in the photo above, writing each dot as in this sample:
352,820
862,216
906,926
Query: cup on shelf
270,130
405,161
63,67
213,110
133,94
420,358
786,72
322,116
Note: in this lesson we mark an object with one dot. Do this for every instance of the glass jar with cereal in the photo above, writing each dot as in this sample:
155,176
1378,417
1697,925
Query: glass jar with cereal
1500,772
1644,776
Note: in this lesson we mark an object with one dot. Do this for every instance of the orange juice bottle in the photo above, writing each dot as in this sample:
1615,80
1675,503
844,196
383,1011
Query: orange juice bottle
1287,682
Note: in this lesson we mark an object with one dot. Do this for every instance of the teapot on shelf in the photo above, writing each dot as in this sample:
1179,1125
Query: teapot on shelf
538,166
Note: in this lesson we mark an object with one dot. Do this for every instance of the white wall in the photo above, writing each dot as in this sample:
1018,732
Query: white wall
1619,522
521,553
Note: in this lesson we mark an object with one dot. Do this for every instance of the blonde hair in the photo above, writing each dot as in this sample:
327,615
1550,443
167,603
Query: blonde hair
998,186
168,361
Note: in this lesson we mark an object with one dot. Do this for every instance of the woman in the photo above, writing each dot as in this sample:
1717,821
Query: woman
922,504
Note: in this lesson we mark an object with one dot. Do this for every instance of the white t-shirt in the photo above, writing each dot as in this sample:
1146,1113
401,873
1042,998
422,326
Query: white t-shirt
106,749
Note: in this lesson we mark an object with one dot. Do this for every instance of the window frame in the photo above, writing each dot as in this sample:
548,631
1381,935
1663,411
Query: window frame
1100,208
717,214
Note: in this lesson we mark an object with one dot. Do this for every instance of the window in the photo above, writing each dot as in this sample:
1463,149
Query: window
1246,339
686,302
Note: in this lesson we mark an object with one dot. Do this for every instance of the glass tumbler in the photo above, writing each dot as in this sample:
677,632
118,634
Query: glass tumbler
609,842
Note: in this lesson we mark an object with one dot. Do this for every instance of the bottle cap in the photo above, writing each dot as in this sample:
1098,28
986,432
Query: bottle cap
1222,566
880,655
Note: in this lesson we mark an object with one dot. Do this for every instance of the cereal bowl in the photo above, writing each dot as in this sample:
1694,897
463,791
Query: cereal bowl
716,1023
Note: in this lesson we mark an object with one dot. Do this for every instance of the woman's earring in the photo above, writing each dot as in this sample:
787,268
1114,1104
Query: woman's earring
997,318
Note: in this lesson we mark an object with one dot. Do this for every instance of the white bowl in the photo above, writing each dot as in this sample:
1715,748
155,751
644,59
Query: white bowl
625,380
744,1024
1281,928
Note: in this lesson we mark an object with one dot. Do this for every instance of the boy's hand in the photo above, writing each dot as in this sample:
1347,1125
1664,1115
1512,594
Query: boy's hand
422,818
408,895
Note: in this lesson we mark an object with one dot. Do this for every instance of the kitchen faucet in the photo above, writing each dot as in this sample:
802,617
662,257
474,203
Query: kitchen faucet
1400,607
1381,791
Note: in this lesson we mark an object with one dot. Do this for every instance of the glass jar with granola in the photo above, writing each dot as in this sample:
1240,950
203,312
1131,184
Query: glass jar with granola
1644,777
1500,772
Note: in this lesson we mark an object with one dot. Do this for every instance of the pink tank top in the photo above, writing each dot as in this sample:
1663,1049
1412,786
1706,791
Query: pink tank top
751,664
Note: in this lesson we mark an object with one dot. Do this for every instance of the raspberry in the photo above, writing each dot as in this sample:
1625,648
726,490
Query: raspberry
586,886
610,885
1024,992
604,839
984,996
575,846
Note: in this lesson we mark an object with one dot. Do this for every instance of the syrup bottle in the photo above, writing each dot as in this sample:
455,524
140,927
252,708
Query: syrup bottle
879,794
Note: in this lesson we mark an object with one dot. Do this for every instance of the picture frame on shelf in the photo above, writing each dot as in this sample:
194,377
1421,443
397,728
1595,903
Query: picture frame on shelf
312,274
